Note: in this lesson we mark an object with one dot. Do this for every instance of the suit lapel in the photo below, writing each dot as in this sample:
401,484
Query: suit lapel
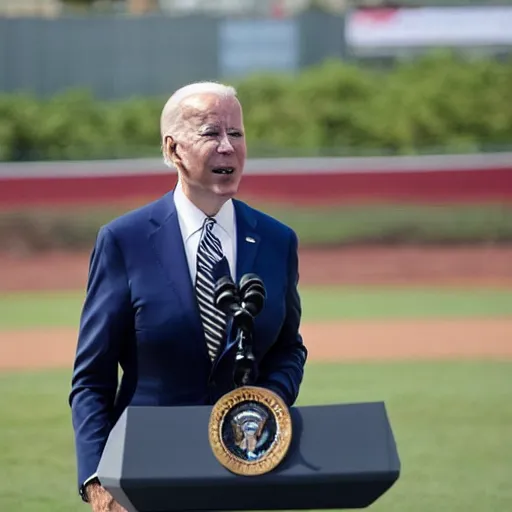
167,243
248,240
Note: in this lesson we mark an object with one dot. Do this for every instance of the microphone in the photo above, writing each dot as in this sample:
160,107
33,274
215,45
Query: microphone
225,290
226,295
252,291
243,304
252,296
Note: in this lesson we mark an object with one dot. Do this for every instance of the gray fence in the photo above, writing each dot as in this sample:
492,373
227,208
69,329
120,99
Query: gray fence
121,57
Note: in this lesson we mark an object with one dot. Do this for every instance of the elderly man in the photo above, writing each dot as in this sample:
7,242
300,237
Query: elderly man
149,306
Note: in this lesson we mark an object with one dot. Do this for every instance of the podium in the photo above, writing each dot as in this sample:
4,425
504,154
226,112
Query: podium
158,459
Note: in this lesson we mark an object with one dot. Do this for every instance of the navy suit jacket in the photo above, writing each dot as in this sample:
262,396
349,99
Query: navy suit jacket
140,313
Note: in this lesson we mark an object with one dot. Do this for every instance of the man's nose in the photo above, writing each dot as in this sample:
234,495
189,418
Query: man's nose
225,145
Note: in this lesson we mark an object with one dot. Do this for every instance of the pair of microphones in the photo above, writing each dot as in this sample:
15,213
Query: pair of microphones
242,303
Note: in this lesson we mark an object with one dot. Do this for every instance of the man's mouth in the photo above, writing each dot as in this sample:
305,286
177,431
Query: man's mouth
223,170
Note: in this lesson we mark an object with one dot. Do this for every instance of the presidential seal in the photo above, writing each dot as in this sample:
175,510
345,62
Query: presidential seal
250,430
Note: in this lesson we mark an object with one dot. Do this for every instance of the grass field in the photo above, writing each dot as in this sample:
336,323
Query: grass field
451,419
77,226
18,310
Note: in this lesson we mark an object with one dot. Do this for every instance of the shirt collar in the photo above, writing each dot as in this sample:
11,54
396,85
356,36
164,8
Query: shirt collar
192,218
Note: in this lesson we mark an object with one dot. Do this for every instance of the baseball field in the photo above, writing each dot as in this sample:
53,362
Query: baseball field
428,331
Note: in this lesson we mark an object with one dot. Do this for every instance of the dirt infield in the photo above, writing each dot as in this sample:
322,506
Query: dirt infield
349,341
335,341
436,266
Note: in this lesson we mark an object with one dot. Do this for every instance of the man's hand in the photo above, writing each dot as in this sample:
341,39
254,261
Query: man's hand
101,500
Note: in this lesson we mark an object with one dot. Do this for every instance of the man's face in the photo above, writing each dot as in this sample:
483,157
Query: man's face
210,147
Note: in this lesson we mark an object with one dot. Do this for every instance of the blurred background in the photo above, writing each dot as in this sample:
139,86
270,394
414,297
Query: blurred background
380,131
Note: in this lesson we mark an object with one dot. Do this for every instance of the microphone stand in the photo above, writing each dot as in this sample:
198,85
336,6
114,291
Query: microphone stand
243,304
244,373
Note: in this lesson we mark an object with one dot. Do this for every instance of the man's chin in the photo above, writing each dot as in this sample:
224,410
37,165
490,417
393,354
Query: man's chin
225,190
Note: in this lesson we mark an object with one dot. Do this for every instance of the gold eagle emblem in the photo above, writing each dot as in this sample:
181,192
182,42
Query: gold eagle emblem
250,430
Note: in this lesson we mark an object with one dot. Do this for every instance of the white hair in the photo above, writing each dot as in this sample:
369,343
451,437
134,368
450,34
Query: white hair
170,115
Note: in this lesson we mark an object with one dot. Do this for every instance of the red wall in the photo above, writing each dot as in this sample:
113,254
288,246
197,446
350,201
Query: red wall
453,186
442,178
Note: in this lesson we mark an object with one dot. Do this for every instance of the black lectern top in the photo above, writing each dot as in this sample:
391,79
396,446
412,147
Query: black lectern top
158,459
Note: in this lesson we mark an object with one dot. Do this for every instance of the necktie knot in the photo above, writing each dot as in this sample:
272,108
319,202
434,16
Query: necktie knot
209,222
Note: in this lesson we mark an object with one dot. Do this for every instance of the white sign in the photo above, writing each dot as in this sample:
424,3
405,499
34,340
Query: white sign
430,26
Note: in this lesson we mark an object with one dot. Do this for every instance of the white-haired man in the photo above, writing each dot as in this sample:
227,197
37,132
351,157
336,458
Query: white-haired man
149,305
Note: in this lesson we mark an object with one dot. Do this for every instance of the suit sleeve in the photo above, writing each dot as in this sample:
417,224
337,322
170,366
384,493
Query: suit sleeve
282,368
105,321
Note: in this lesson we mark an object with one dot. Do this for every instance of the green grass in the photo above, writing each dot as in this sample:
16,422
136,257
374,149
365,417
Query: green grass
451,421
393,223
317,224
384,302
19,310
51,309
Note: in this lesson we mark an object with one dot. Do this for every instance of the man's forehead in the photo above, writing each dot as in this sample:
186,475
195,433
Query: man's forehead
198,115
202,109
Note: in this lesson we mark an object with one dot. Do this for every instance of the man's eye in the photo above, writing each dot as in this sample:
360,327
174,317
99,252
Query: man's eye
210,133
236,134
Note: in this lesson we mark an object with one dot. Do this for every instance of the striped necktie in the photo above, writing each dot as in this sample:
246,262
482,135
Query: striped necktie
214,321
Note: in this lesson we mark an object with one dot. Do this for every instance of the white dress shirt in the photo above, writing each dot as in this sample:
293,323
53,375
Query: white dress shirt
191,220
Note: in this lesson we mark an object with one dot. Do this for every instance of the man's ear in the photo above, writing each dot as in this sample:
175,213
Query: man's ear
170,145
170,148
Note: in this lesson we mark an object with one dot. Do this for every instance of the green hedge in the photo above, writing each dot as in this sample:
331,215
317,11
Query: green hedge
75,229
438,102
